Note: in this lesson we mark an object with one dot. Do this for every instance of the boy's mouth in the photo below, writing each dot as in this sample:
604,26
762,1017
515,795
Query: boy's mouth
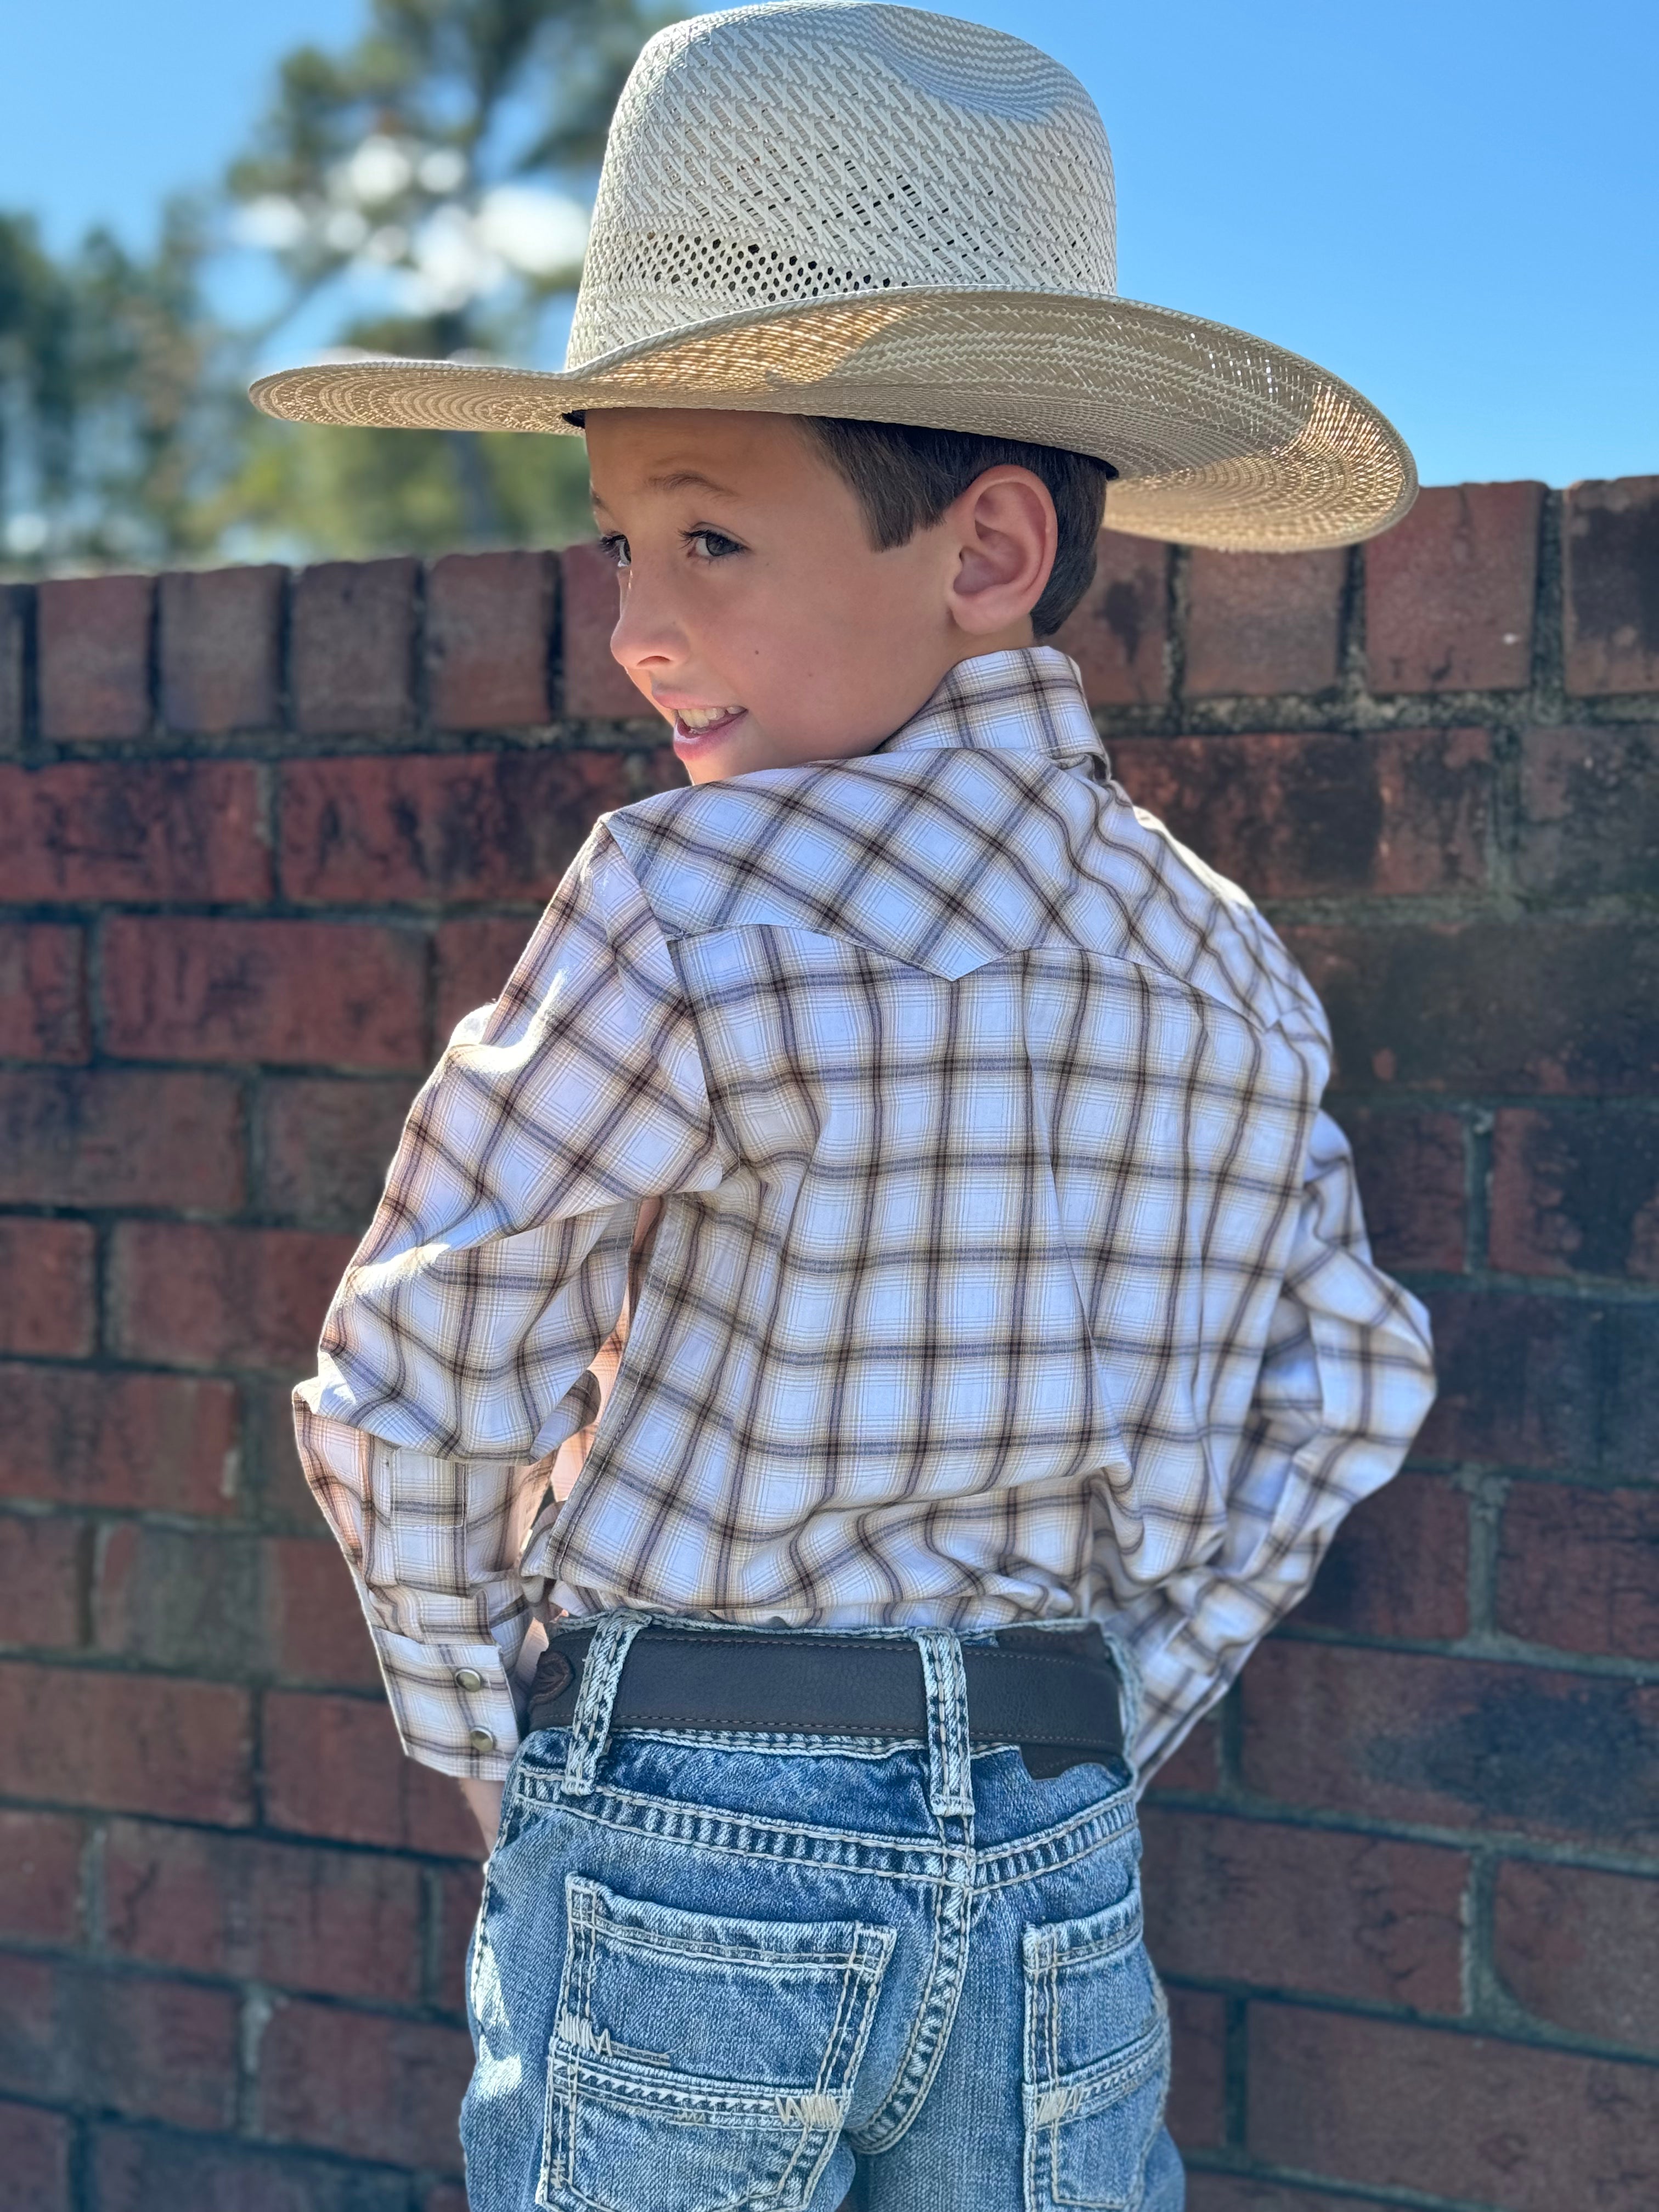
694,726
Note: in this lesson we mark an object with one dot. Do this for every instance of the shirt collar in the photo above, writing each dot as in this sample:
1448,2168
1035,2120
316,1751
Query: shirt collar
1028,699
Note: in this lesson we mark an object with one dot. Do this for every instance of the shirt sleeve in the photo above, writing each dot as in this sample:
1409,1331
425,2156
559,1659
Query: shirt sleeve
454,1356
1346,1377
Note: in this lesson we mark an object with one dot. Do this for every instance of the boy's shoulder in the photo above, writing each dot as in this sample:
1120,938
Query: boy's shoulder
947,858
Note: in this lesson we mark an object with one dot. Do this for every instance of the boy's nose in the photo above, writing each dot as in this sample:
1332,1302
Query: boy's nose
647,640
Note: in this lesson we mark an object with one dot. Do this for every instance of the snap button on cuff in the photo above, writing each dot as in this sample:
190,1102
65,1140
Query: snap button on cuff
481,1739
468,1678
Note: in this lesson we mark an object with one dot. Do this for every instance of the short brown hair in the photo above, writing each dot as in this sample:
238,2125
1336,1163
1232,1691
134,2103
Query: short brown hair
905,477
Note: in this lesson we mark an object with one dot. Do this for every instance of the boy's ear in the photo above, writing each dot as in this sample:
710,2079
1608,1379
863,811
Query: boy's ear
1005,536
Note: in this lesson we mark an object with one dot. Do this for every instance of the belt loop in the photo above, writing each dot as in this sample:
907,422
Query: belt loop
590,1724
950,1769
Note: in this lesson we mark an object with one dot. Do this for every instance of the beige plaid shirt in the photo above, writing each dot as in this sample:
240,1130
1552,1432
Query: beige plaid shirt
1006,1268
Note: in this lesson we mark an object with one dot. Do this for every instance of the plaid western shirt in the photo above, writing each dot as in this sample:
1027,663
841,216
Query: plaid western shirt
1004,1268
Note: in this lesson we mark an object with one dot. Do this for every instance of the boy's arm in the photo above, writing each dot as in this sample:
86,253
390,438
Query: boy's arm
1346,1380
455,1352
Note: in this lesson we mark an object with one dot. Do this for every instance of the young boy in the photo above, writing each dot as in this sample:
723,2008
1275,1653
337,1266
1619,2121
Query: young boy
891,1187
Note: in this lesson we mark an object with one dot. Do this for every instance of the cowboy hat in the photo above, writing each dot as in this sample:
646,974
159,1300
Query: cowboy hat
843,207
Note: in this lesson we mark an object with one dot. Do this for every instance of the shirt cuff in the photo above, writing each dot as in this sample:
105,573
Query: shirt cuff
452,1704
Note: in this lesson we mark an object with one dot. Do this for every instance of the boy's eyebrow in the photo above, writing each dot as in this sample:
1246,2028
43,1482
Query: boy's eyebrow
675,480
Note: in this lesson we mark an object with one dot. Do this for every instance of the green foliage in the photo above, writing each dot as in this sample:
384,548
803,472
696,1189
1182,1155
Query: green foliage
424,192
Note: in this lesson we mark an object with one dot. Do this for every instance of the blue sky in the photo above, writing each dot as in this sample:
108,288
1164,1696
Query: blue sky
1454,203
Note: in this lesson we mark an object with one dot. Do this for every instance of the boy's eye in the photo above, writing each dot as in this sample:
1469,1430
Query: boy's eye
616,546
711,544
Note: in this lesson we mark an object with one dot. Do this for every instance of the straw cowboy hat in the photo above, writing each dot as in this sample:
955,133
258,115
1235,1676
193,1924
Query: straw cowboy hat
826,207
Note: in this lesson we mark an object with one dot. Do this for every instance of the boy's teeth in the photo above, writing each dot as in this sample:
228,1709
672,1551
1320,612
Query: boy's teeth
704,718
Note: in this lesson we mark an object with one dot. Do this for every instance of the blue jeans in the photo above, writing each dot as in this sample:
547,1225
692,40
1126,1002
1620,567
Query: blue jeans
713,1970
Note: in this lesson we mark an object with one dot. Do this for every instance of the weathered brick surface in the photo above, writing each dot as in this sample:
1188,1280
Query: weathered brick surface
233,1918
1576,1193
132,830
166,1442
1488,2123
488,618
1335,1915
178,988
1579,1949
184,1295
47,1288
1263,623
353,666
1309,817
1610,556
219,650
1579,1570
1450,591
94,651
43,991
115,1136
1118,631
424,827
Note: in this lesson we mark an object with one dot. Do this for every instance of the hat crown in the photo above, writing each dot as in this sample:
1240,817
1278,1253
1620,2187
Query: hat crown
818,149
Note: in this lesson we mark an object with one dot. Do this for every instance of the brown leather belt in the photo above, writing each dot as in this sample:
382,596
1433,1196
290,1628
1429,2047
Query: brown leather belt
1053,1692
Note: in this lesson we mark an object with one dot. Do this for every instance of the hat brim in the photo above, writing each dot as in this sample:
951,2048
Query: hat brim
1217,439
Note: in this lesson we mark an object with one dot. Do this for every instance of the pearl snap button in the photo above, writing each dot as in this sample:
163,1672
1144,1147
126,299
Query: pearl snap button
481,1739
468,1678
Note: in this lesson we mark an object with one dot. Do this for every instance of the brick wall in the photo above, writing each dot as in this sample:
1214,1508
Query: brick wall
263,837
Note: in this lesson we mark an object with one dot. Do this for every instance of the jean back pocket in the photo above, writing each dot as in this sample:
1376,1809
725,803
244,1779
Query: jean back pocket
701,2064
1096,2061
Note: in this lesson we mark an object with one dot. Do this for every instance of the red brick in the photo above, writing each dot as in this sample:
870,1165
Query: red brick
475,959
1580,1950
1399,1565
1243,2192
1341,1915
41,1579
138,2171
187,1295
16,612
1117,633
1578,1570
421,826
178,1598
1589,825
282,992
1459,1743
1576,1193
133,830
326,1144
364,2085
1393,813
1629,1438
220,650
166,1441
40,1900
334,1767
275,1472
1197,2114
114,1137
1259,624
1194,1764
458,1891
46,1286
337,1923
593,684
1452,2115
446,2196
1519,1381
1412,1178
34,2149
1530,1005
1450,591
488,624
134,2045
1610,558
43,991
353,647
137,1743
94,633
315,1631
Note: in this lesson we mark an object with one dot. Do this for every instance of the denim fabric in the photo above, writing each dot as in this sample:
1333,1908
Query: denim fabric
713,1970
